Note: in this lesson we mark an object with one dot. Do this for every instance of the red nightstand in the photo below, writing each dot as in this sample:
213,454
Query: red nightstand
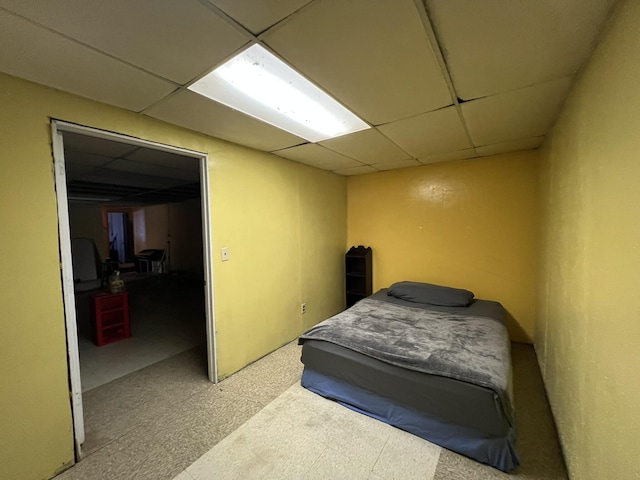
110,313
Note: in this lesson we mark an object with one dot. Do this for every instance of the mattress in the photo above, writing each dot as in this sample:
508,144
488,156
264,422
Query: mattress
455,414
448,399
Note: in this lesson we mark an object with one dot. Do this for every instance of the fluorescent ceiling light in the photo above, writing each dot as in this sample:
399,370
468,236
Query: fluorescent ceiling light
259,84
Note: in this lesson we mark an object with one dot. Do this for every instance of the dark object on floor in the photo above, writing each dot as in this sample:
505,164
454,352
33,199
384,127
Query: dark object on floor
110,314
151,260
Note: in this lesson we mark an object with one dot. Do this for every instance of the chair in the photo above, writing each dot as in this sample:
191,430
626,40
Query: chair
151,260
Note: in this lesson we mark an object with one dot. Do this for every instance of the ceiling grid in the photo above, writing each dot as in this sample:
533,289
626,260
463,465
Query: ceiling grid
400,65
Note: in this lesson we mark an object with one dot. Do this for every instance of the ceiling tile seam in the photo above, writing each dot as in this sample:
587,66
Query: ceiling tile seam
80,152
435,48
605,25
124,157
571,76
185,87
342,154
150,192
275,152
424,160
413,116
227,18
444,69
510,141
282,22
134,150
407,153
253,39
362,164
224,60
411,156
169,171
90,47
176,91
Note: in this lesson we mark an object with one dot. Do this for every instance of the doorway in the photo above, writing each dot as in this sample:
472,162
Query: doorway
120,246
118,235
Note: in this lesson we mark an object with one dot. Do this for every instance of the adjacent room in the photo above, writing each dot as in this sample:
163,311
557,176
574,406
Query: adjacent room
319,239
135,224
134,216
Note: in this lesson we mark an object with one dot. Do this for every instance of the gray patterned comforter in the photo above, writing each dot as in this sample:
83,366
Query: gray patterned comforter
471,349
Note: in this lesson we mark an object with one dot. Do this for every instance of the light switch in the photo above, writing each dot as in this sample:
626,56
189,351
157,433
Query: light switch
224,253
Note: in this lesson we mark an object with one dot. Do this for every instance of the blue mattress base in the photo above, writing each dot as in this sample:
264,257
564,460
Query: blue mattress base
496,452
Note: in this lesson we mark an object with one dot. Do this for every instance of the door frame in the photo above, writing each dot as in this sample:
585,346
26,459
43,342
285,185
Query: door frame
106,210
58,127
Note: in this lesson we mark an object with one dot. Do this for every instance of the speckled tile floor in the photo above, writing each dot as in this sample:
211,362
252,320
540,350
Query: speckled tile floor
300,435
167,421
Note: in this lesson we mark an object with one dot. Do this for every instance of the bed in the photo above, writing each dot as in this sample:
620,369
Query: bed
428,359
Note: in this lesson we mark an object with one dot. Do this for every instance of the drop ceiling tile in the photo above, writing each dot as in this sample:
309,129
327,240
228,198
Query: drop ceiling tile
128,179
356,170
198,113
525,113
494,46
374,57
445,157
102,148
512,146
429,133
36,54
395,165
176,40
123,165
317,156
259,15
75,171
164,159
368,146
80,158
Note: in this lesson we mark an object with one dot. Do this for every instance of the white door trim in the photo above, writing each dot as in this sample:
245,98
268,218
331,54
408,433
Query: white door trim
57,127
67,286
212,359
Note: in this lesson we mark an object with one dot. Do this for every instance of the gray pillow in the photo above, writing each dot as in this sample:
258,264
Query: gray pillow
431,294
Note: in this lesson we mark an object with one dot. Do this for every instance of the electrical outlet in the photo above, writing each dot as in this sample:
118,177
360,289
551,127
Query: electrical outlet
224,253
303,308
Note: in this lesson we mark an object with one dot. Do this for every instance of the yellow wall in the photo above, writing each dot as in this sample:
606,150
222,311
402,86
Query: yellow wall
588,333
174,227
154,233
85,221
284,223
185,233
470,224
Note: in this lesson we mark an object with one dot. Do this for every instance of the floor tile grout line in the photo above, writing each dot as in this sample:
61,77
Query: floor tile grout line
251,400
380,454
319,456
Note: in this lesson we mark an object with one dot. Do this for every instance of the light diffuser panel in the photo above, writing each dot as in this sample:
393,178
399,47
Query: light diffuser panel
259,84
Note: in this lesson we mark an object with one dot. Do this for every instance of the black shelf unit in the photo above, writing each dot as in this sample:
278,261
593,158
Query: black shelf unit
359,274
